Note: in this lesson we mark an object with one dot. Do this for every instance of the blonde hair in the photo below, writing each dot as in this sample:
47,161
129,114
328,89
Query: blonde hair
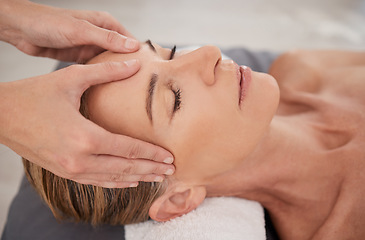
86,203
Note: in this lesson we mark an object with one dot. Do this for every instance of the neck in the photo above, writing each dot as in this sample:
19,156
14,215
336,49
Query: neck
268,174
290,174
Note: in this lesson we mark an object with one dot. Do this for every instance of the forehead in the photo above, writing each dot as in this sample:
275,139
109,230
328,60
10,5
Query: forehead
144,54
119,106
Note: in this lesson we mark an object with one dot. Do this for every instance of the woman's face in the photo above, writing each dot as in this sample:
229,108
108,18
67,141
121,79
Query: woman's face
188,105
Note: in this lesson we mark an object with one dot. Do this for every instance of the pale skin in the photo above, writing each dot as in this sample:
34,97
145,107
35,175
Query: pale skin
299,153
42,121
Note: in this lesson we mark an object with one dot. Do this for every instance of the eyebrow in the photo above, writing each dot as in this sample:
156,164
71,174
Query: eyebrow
151,87
153,81
150,92
151,45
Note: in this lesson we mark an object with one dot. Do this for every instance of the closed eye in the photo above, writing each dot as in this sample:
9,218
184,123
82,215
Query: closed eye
177,103
173,50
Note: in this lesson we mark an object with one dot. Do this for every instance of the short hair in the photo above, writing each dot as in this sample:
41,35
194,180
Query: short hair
70,200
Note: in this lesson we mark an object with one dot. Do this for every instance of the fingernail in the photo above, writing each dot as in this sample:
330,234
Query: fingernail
131,62
169,172
158,179
168,160
133,185
130,43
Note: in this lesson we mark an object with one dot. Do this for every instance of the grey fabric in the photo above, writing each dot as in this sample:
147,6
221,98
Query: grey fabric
29,218
259,61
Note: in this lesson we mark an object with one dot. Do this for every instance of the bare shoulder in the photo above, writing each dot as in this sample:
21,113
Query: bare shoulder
321,58
304,69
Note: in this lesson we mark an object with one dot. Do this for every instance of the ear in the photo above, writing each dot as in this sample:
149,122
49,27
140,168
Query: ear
176,202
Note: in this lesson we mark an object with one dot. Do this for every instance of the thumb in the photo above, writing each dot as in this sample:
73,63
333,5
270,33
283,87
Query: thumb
108,39
130,148
93,74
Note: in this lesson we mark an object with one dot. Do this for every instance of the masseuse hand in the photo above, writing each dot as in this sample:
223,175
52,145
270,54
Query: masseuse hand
40,118
62,34
40,121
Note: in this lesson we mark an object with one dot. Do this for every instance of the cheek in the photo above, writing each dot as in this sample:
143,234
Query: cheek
211,135
206,141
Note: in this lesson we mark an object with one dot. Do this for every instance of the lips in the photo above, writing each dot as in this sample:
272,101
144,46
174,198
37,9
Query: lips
244,81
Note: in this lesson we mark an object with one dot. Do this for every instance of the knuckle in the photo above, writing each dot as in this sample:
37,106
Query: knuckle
145,178
111,37
103,14
72,167
102,19
82,27
87,144
157,170
129,168
134,151
154,155
82,142
116,178
73,163
109,67
73,70
76,34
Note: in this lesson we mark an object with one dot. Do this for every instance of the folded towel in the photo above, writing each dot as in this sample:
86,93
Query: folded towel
225,218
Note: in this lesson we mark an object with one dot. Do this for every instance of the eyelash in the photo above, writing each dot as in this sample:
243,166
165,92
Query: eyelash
177,92
173,50
177,104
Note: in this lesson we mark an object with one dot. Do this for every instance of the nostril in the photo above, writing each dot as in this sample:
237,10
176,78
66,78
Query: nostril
210,58
216,64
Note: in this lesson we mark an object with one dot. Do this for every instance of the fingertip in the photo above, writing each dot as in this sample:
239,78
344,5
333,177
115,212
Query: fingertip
131,44
133,185
132,63
104,72
132,66
111,40
158,179
168,160
169,171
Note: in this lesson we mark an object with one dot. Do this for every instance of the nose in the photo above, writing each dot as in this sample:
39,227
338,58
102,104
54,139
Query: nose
201,61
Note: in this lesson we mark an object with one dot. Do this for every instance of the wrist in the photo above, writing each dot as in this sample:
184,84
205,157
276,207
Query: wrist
11,14
4,108
6,28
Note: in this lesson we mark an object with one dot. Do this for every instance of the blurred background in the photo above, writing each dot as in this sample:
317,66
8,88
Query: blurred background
274,25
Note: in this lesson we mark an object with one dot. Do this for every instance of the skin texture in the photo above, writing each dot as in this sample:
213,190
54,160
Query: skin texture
42,121
209,98
304,164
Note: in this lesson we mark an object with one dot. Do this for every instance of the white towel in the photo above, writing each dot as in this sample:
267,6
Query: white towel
225,218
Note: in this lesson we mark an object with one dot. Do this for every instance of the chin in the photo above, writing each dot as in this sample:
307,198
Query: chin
270,93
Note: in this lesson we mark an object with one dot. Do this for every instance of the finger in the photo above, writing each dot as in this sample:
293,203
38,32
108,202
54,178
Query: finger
101,19
112,165
79,54
107,39
118,184
108,184
127,147
93,74
120,178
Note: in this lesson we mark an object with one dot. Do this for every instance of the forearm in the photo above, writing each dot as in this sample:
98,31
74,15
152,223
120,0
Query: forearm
24,21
